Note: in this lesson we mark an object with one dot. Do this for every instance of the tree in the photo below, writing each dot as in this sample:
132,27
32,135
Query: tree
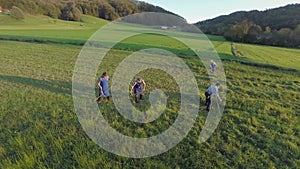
253,33
280,26
282,36
234,33
70,12
52,11
17,13
245,25
295,37
72,9
106,11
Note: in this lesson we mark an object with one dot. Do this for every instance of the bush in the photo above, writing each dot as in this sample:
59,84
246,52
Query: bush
17,13
70,13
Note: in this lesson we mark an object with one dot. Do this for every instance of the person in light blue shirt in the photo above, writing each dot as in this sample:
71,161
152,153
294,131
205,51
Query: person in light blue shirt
214,89
213,66
103,87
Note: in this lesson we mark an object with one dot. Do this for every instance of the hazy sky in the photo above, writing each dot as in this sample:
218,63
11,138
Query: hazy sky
198,10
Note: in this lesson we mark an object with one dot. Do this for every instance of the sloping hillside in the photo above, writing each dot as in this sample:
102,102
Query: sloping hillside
71,9
276,27
43,29
283,17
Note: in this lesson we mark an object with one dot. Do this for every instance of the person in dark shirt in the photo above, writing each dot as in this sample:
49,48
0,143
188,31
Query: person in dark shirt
139,87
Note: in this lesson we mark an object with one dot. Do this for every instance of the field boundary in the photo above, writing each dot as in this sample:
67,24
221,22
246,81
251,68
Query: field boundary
262,65
41,41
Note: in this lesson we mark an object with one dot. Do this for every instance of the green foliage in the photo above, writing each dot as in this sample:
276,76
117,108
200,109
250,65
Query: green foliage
71,10
251,33
280,24
283,17
235,32
17,13
108,12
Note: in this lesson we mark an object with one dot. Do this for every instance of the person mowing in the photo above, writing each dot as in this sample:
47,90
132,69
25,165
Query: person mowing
139,87
214,89
103,87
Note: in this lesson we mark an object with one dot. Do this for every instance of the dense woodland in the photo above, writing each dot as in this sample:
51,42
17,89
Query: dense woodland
276,27
72,9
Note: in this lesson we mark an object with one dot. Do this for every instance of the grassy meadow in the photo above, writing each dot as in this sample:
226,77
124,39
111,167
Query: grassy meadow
43,29
260,127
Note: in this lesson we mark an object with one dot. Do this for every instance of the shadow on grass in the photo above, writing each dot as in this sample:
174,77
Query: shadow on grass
57,87
42,40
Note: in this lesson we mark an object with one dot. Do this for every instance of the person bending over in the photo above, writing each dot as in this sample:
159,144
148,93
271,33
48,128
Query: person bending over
139,87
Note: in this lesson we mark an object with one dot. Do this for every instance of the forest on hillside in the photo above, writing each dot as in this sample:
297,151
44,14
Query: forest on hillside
72,9
276,27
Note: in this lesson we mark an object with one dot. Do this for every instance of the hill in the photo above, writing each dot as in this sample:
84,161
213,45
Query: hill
43,29
44,22
72,9
278,27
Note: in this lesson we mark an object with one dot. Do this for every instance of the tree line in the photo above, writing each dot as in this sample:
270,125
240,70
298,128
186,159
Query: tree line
72,9
249,32
276,27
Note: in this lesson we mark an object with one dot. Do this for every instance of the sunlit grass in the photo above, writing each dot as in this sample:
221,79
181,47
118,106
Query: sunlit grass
39,128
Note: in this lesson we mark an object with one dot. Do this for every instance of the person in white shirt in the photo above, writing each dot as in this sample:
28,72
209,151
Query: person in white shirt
214,89
213,66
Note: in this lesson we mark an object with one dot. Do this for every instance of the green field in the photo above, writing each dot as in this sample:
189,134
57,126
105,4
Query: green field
283,57
48,30
260,127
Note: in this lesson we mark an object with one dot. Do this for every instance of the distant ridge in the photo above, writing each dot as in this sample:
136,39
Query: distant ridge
277,27
277,18
72,9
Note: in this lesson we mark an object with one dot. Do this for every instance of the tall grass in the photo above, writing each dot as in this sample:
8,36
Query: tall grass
39,128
